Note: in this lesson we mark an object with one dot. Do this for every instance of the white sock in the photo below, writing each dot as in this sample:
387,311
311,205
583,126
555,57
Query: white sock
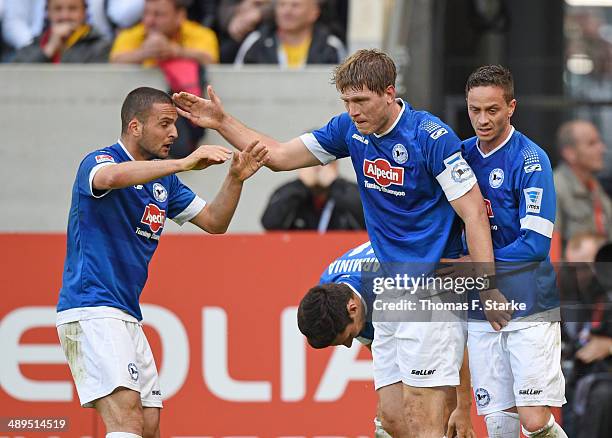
122,435
551,430
502,424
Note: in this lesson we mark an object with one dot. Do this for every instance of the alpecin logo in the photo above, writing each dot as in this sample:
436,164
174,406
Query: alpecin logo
383,173
154,217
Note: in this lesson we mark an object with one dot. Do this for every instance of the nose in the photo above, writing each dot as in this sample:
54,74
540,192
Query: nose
173,132
353,110
482,118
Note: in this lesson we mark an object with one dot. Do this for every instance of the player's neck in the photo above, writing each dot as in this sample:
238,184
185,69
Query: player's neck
394,112
487,146
132,147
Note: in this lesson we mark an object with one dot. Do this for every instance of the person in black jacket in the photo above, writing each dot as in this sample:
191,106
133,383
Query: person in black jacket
318,200
68,38
295,39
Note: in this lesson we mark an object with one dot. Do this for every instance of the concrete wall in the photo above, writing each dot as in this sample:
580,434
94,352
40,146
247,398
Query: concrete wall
51,116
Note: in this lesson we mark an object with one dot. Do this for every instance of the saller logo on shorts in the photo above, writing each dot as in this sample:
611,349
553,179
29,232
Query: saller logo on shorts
153,217
383,173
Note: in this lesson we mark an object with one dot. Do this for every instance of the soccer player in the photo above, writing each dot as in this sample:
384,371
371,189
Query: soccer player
516,373
120,200
338,310
412,180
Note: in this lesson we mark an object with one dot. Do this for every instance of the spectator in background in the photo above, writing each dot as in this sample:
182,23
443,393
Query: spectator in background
318,200
582,205
67,38
237,19
25,19
179,47
204,12
296,38
587,337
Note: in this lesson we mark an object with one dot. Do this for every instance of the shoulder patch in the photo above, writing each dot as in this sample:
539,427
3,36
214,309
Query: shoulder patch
532,160
435,130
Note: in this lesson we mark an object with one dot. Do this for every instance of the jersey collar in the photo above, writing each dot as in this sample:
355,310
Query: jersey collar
399,116
498,147
120,143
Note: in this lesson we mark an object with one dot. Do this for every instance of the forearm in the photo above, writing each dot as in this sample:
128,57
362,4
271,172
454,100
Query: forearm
118,176
217,215
480,246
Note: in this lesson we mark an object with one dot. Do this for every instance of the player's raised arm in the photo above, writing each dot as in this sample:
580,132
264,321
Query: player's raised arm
215,217
129,173
209,113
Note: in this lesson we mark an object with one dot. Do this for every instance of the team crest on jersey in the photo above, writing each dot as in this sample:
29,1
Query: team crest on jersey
159,192
533,199
400,154
154,217
496,178
383,173
104,158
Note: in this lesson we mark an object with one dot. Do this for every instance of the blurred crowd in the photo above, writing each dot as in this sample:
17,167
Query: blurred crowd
180,37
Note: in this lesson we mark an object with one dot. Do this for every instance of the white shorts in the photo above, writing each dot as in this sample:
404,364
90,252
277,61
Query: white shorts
108,353
420,354
517,368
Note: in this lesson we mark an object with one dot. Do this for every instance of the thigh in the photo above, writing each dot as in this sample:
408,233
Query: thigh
430,353
101,356
150,391
491,373
384,355
535,358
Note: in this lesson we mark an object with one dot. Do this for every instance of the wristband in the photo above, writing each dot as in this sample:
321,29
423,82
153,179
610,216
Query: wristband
491,282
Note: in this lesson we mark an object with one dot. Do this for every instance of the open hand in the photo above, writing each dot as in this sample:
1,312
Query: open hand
460,424
206,113
249,161
206,156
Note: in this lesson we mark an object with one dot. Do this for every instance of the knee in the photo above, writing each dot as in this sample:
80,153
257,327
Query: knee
537,420
128,418
392,422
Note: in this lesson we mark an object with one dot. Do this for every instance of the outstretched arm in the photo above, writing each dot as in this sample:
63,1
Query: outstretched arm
216,216
209,113
118,176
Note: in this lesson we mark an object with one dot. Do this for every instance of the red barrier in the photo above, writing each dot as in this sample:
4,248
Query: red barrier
220,315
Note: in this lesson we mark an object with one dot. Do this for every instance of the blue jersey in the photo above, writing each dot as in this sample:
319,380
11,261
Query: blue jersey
516,181
347,269
406,177
112,235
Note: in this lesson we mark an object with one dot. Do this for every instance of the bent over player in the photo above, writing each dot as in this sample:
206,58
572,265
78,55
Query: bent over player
412,180
338,310
516,373
121,198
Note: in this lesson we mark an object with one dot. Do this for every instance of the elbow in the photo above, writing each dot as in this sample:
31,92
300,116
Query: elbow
215,228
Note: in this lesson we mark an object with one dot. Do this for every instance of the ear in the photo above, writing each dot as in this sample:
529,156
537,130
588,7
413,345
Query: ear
352,307
512,107
390,93
135,127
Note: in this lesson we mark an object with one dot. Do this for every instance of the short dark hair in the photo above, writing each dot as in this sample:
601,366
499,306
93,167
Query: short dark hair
138,103
323,314
370,67
492,76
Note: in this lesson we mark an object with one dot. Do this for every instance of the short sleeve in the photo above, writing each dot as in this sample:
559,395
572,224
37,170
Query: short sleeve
329,143
90,165
203,39
443,155
128,40
183,204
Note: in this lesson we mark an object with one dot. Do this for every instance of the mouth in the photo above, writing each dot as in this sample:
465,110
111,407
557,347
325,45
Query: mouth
484,131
